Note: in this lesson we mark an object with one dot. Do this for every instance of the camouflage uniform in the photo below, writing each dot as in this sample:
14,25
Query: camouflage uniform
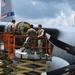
40,41
29,42
11,27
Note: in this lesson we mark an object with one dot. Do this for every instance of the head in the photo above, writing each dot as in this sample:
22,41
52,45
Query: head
39,26
31,26
13,21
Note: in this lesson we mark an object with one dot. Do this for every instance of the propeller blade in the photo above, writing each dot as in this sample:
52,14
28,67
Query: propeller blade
70,49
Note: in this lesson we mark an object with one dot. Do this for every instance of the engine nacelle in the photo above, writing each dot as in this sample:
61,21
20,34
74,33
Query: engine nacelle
22,27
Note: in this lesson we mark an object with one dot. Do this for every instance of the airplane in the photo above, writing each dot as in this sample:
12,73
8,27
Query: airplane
61,38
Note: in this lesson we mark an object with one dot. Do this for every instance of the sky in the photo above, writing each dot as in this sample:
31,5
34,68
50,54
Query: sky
45,12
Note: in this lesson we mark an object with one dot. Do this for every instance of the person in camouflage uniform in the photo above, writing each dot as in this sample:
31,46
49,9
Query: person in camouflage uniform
11,27
29,42
41,34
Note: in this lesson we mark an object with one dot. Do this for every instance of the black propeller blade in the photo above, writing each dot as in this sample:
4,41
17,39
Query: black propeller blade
67,69
70,49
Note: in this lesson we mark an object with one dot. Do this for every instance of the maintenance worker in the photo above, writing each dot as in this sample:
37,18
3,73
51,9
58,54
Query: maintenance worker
40,34
11,27
29,42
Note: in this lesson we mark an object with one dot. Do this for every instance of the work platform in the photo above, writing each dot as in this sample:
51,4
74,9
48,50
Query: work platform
26,61
8,40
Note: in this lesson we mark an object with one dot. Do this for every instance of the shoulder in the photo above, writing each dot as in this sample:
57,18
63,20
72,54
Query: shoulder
34,29
10,24
31,29
42,30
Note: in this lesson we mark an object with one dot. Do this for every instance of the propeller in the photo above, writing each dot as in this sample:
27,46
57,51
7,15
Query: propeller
68,48
67,70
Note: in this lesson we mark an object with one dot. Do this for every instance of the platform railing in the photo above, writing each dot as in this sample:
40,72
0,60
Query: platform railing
9,43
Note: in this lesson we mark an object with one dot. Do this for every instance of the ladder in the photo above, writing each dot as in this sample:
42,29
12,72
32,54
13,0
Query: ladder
9,43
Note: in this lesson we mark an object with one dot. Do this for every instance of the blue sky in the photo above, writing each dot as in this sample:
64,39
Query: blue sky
45,12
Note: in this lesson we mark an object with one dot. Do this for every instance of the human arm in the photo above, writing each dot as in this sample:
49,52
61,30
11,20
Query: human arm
42,33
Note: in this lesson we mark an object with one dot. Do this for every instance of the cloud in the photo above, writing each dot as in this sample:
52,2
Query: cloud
36,9
49,15
34,2
64,20
47,12
33,9
50,1
61,19
72,4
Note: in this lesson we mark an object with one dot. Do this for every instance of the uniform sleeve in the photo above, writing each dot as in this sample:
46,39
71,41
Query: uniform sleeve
42,33
34,30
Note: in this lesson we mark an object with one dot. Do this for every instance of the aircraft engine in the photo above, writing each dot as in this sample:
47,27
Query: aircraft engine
22,27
